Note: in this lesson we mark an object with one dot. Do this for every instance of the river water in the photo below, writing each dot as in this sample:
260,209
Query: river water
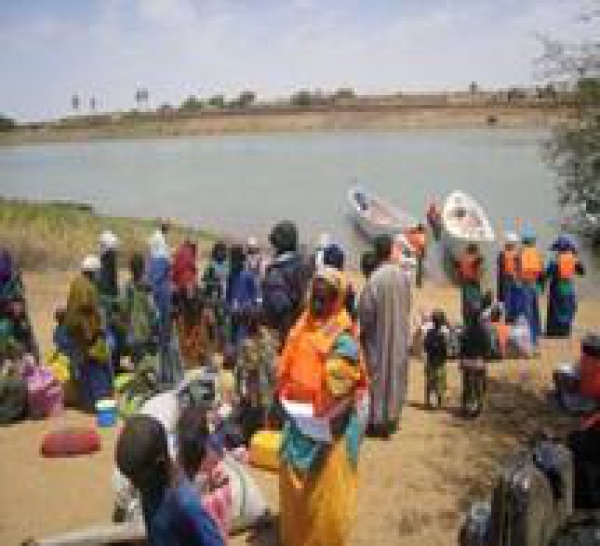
243,184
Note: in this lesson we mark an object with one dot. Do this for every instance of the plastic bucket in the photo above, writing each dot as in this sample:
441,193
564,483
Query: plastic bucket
106,413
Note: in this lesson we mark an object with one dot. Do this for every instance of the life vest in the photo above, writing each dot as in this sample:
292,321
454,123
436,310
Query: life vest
509,262
531,264
502,333
302,372
418,240
468,267
567,262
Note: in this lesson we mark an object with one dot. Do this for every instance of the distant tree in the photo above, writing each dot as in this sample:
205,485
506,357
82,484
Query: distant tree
217,101
93,104
7,124
302,98
473,88
165,107
191,103
75,103
344,93
246,98
574,150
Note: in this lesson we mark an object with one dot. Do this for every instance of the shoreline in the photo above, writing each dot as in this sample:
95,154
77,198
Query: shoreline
289,120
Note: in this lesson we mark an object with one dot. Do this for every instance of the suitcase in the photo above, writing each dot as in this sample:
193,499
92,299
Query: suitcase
264,450
530,504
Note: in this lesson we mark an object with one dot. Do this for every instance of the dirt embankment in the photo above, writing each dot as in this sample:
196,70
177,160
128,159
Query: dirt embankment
264,120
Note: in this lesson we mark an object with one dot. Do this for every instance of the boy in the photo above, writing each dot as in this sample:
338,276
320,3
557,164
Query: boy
172,510
436,351
474,350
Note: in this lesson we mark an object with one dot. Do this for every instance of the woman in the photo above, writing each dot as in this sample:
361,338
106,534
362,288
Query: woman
214,287
321,366
562,300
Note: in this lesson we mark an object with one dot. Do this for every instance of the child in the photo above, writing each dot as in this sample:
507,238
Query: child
172,510
436,350
475,348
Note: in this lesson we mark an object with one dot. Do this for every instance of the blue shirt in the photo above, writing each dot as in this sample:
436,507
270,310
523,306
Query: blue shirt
180,520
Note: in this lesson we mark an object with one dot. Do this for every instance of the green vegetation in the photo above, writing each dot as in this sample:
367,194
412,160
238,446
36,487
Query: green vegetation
574,150
57,235
7,124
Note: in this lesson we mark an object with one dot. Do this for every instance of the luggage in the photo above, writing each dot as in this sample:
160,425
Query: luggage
533,497
589,368
44,393
70,442
264,449
13,400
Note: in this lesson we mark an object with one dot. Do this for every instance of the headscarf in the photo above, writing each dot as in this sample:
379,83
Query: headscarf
564,243
333,256
108,241
158,245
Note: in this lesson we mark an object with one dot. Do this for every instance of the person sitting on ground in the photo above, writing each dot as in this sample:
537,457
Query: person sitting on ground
474,351
436,351
173,513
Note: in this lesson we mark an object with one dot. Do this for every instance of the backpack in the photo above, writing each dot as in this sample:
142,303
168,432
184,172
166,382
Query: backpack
283,289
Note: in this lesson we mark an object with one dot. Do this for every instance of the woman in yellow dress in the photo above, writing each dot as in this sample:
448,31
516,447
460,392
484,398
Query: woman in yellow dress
321,366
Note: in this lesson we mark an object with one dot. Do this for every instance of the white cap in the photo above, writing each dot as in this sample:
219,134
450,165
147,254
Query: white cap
511,237
252,242
108,240
324,240
90,263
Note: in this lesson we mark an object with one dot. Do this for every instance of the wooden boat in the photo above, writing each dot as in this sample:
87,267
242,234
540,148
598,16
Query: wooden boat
374,217
464,221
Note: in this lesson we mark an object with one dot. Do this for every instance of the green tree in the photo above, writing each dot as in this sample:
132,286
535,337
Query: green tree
191,103
574,149
302,98
246,98
344,93
217,101
7,124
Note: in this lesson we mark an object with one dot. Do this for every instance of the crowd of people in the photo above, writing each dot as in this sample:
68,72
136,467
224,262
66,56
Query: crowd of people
342,352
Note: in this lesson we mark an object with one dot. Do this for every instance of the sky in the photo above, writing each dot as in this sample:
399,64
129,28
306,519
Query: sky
53,49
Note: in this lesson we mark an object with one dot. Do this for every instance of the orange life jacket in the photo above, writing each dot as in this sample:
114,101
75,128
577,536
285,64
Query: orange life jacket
509,262
302,373
502,332
468,267
531,264
418,240
567,263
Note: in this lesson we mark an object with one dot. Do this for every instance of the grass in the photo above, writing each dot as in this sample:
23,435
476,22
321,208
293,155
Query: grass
57,235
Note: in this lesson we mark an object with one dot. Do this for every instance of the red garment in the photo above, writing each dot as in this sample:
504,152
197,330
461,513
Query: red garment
184,273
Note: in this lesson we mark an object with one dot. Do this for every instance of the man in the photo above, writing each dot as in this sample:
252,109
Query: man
470,272
286,280
507,274
417,237
384,316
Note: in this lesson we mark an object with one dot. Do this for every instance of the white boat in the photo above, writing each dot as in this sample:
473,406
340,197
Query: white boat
463,222
374,216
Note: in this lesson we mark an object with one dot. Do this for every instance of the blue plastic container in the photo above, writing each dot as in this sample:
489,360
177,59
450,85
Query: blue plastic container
106,413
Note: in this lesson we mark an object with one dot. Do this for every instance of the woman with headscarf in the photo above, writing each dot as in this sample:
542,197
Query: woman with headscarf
159,279
241,297
189,310
562,300
90,366
321,367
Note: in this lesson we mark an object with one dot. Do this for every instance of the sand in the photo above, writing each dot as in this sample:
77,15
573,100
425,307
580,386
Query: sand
413,488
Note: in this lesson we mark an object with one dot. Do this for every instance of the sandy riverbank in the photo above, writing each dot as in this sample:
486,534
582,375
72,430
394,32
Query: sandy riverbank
389,118
413,490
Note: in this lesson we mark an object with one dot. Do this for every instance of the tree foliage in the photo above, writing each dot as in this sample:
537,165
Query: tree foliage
7,124
191,104
574,149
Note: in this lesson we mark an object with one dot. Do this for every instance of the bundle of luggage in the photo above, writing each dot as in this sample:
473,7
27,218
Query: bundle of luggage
577,387
532,504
